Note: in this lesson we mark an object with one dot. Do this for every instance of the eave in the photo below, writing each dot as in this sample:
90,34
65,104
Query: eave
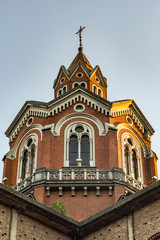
68,226
42,109
129,107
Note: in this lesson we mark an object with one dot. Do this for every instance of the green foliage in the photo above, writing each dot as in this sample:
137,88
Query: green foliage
59,206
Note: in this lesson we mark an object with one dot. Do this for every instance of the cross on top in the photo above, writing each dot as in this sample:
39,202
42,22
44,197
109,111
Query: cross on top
80,37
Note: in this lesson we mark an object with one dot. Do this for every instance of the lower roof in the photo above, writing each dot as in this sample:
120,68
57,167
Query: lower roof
69,226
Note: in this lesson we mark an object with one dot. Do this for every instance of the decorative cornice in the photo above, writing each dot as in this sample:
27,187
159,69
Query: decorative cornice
129,107
40,109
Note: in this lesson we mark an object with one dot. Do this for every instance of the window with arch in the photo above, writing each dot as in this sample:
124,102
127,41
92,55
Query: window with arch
82,84
64,89
27,157
75,84
79,145
61,91
94,89
99,92
132,162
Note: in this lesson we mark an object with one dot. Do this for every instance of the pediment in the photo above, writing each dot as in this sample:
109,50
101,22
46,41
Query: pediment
62,72
80,67
96,72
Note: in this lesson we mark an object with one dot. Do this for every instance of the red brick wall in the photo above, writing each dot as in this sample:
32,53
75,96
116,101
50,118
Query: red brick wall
80,207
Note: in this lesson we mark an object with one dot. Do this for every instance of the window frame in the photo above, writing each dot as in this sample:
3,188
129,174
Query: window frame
89,131
24,148
135,147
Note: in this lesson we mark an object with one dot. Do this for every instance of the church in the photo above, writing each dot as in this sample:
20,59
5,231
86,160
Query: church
80,148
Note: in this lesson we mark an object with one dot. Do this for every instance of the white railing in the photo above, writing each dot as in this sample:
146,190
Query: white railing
80,175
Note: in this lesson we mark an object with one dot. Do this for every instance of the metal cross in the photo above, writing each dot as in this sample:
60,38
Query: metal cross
80,36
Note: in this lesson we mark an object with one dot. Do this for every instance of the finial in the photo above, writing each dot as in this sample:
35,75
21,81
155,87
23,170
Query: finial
80,38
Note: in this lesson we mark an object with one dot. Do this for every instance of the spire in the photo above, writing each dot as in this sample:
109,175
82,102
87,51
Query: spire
80,56
80,49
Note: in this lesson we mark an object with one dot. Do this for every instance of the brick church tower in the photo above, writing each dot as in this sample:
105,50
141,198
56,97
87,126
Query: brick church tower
80,147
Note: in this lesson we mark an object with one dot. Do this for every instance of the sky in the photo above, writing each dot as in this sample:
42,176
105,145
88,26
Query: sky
38,36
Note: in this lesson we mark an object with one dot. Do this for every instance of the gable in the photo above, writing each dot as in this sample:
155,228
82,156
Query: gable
44,110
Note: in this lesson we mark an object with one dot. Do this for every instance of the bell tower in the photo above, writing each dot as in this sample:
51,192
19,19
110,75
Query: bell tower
80,148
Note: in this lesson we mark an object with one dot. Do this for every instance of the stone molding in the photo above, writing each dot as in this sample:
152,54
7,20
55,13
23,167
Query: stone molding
45,110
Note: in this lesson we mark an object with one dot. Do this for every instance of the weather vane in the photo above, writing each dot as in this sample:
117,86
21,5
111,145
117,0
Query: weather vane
80,38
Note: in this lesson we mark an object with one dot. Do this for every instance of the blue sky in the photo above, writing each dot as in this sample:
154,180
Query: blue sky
38,36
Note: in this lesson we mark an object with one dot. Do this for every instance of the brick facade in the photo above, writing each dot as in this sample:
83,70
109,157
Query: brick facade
45,169
135,218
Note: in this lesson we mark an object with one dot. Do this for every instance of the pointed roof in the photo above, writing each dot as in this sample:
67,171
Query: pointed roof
80,57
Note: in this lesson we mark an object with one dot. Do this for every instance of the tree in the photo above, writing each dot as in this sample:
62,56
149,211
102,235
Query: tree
59,206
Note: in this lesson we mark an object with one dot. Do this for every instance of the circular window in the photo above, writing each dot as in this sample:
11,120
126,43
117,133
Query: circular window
30,121
79,107
79,75
62,80
79,129
129,120
29,142
97,79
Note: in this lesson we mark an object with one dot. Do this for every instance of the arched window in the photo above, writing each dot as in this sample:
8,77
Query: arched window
75,84
85,150
83,84
73,150
60,92
24,164
134,165
28,154
132,161
127,160
99,92
79,146
94,89
64,89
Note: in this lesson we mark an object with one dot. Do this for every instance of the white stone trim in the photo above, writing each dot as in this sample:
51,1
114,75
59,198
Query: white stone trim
135,146
73,84
60,105
79,73
91,136
79,64
27,123
82,105
94,86
137,149
79,83
62,91
97,79
97,88
126,126
123,112
102,129
63,78
13,152
34,137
